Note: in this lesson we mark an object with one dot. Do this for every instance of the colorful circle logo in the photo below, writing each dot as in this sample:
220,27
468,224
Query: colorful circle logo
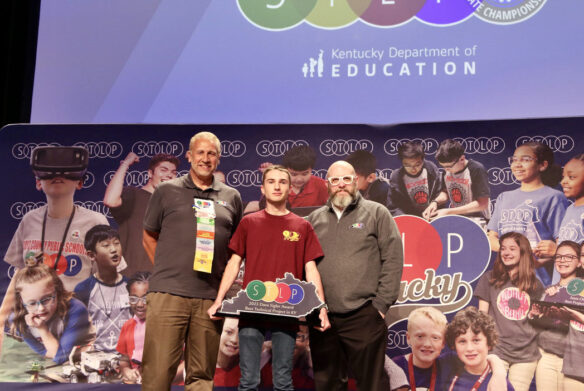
334,14
445,245
269,291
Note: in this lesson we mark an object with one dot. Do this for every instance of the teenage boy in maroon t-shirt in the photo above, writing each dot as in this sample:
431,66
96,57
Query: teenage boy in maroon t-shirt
273,241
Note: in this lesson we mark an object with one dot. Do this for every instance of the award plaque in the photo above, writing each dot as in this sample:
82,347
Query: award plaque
548,313
286,297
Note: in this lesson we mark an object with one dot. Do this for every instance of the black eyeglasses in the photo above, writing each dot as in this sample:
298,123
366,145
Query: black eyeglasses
566,257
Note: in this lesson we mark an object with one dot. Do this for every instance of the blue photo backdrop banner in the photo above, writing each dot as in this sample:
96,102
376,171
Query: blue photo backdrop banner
457,249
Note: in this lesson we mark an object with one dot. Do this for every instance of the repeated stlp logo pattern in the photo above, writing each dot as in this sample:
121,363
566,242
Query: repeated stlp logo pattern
20,208
559,143
276,148
335,14
244,178
342,147
482,145
501,176
133,178
102,149
88,180
24,150
391,146
151,148
321,173
384,173
96,206
232,148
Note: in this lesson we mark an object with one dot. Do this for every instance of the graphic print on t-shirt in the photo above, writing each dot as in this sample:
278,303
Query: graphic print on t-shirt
572,225
418,188
459,188
291,236
109,307
519,218
513,303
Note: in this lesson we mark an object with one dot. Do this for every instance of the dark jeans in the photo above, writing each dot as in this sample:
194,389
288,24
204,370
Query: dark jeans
251,340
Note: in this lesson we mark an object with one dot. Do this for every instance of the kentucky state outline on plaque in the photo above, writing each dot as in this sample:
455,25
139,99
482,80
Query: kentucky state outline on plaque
287,296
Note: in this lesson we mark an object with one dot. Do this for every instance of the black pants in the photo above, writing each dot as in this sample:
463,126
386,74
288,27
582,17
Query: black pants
354,344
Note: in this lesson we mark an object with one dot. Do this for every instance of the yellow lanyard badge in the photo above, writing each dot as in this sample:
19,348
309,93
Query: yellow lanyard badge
205,240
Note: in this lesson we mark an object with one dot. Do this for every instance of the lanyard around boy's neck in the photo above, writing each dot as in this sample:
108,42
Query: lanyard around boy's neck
413,378
477,384
62,245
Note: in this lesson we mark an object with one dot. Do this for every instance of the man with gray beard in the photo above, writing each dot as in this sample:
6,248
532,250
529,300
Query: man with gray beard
361,272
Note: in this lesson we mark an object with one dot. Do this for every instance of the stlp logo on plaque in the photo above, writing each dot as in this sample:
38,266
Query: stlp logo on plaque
287,299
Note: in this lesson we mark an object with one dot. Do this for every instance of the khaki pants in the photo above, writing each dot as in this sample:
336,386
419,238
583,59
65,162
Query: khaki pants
549,376
171,323
520,374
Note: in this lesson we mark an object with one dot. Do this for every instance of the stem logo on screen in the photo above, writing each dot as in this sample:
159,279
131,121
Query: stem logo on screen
334,14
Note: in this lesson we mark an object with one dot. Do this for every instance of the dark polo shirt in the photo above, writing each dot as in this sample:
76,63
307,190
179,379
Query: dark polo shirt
170,213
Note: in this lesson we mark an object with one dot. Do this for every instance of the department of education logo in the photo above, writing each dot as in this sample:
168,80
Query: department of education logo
508,11
314,66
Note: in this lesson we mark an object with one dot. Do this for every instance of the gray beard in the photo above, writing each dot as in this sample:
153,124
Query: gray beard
342,202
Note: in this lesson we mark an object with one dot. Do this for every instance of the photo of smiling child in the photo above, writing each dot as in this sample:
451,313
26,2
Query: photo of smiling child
427,367
562,354
49,319
227,371
104,292
535,209
425,335
572,226
472,335
505,293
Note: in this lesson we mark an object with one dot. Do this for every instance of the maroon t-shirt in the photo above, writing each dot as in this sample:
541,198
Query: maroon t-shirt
273,245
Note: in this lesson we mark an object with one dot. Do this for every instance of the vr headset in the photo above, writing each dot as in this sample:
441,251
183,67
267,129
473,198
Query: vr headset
66,162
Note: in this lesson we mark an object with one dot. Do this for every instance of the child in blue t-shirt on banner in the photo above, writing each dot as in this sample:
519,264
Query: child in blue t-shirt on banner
472,335
572,227
534,209
426,367
47,316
